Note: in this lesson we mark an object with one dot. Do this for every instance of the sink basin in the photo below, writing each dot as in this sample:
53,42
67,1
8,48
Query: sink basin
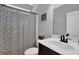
63,46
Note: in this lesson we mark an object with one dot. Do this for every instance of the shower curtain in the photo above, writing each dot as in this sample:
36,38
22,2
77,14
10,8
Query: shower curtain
17,31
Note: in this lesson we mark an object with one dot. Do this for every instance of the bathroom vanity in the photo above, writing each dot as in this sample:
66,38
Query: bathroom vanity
43,50
53,46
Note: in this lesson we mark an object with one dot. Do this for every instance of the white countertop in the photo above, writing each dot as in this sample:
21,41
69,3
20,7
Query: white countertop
49,43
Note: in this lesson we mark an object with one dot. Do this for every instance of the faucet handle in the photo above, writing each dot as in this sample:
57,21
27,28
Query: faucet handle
69,38
78,41
66,40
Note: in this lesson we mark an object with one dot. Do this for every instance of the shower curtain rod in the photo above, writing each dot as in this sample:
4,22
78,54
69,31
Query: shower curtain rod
18,9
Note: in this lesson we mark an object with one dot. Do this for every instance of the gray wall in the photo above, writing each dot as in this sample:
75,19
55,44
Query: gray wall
46,26
59,16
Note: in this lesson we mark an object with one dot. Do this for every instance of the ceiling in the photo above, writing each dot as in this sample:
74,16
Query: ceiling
35,6
57,5
24,6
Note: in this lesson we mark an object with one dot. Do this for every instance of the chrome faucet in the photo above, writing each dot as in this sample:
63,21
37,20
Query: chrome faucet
67,37
67,40
63,39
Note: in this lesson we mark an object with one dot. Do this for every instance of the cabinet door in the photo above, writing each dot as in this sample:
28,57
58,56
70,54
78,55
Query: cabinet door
43,50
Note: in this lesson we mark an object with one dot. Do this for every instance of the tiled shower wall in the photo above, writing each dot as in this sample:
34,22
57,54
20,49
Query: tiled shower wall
17,31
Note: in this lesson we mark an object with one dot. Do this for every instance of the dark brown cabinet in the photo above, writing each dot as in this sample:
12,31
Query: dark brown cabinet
43,50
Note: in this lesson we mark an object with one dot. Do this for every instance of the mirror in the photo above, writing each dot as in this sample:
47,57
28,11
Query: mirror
73,23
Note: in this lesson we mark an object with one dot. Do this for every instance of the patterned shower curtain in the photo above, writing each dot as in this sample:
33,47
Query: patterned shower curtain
17,31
